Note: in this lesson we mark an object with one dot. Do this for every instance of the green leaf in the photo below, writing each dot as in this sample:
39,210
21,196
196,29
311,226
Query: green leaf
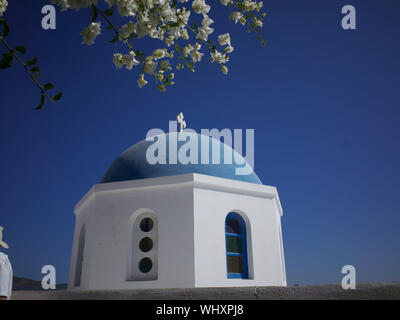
109,12
58,96
6,29
6,60
36,71
21,49
32,62
114,40
95,14
42,101
49,86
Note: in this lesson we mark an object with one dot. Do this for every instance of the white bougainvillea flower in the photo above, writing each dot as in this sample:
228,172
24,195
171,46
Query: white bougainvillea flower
118,60
141,82
236,16
195,54
64,4
150,65
250,5
258,23
169,41
91,32
229,49
168,21
205,30
159,54
125,7
127,30
200,6
3,6
165,65
187,50
219,57
166,12
129,60
224,39
184,34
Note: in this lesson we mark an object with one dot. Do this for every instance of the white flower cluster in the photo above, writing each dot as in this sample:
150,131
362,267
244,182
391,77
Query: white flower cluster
167,21
91,32
3,6
248,5
64,4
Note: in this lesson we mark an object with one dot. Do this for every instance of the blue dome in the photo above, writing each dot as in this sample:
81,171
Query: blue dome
133,164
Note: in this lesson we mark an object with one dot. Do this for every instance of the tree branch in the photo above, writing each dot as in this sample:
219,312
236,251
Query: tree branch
42,91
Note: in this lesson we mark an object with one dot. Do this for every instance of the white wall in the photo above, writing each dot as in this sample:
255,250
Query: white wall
85,218
263,246
108,237
191,211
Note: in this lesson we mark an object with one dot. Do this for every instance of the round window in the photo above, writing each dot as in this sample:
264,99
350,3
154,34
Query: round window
145,265
146,244
146,224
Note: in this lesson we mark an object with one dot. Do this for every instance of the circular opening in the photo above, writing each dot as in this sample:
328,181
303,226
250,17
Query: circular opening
145,265
146,244
146,224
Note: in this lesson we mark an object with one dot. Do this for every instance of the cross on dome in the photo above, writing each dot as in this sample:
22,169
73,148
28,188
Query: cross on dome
182,122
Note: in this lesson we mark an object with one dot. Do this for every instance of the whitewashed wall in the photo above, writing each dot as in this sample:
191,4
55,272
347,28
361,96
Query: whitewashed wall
191,211
263,244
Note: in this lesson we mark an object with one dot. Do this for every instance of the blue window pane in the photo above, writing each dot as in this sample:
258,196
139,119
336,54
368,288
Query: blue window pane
235,264
234,244
236,248
233,226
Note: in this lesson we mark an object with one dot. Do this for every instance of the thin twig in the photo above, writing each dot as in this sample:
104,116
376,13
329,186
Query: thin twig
42,91
125,41
194,32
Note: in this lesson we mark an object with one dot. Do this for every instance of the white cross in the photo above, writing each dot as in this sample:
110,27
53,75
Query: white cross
182,122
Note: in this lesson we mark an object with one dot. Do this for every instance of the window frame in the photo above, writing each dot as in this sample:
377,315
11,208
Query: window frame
243,254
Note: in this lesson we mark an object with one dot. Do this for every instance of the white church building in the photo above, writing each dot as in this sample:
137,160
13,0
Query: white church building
177,226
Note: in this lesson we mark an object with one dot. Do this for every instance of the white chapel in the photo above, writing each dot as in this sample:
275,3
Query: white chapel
177,225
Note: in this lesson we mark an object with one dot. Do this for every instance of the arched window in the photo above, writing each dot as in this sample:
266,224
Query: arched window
236,247
79,257
143,264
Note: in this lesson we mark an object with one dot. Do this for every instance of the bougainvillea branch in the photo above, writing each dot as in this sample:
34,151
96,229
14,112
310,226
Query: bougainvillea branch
168,21
7,60
33,77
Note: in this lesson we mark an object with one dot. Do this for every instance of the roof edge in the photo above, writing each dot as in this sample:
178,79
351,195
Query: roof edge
199,181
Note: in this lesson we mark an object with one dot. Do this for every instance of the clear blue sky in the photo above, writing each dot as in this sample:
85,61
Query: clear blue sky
324,104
